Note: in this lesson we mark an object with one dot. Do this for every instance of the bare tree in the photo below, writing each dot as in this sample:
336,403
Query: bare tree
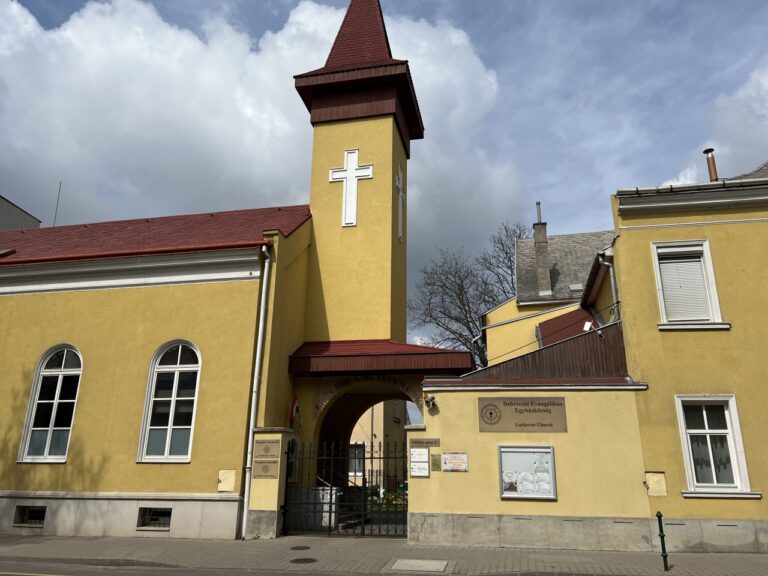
455,290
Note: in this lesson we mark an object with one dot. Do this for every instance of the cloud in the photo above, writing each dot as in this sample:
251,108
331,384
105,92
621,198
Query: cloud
740,133
140,117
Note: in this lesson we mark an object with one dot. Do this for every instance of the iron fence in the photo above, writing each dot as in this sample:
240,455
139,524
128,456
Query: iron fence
355,489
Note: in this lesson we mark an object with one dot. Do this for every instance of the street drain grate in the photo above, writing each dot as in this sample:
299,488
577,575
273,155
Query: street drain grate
299,547
303,560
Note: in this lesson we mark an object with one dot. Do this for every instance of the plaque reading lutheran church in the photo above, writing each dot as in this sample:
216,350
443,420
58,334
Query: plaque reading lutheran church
522,414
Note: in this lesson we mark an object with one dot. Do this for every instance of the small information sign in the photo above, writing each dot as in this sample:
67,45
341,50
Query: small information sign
436,463
266,448
425,442
266,469
420,469
455,462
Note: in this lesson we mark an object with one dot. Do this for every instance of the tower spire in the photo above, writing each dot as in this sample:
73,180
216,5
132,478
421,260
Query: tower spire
362,39
360,78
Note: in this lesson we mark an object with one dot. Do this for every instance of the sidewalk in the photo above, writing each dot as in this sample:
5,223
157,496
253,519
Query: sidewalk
364,556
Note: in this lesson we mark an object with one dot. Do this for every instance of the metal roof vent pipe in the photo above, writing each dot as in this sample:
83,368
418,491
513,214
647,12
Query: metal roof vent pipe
709,153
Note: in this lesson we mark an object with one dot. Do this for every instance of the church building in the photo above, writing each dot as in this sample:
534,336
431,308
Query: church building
155,371
201,376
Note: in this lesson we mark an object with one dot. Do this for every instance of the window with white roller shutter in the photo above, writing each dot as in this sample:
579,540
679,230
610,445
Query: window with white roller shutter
686,284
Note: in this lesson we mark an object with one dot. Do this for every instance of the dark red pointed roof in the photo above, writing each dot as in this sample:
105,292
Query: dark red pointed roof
360,78
169,234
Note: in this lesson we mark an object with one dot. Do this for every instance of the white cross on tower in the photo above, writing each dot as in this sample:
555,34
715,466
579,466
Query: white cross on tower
401,206
349,175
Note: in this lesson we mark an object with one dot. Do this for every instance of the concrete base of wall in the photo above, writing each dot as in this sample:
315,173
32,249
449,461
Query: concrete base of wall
587,533
263,524
117,515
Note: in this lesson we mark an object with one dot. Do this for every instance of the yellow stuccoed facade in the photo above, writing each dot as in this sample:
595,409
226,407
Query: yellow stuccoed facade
357,273
698,362
117,338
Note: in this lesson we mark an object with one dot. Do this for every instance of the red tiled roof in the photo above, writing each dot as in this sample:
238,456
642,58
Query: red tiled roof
362,39
565,326
376,356
214,230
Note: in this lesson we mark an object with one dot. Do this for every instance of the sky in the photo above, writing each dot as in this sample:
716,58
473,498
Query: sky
180,106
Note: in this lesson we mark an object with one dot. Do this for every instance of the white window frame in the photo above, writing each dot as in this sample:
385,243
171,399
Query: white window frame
141,456
741,485
357,445
33,401
693,247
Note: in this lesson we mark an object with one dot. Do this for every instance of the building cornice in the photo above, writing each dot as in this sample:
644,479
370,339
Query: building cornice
152,270
718,195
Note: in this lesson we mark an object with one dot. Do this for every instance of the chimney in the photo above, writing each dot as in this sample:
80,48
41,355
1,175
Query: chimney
711,164
541,248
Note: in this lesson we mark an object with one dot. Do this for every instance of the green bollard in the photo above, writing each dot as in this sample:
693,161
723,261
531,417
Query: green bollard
664,555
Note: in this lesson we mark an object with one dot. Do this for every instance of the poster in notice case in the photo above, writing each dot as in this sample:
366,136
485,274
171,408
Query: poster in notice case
527,472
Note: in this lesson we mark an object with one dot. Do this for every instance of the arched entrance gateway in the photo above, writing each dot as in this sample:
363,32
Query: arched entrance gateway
337,486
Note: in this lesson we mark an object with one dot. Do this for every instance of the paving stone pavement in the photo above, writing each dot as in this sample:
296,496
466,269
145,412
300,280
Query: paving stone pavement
364,556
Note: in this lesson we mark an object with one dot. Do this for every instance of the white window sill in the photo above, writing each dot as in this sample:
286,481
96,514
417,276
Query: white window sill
42,461
720,494
152,529
164,461
27,525
695,326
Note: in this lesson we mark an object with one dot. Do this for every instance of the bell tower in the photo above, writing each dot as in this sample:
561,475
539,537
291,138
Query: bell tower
364,112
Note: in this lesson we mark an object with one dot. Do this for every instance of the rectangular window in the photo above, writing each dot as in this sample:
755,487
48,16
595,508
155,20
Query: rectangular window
29,516
154,518
714,454
685,282
356,458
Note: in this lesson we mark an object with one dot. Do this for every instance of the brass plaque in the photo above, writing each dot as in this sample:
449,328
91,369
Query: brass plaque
425,442
522,414
266,469
436,462
266,449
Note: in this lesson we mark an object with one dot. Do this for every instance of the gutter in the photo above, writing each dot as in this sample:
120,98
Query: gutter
257,365
614,294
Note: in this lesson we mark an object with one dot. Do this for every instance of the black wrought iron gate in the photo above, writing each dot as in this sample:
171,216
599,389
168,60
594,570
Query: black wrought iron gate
347,490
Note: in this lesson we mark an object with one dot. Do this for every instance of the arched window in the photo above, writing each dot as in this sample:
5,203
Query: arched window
170,407
52,407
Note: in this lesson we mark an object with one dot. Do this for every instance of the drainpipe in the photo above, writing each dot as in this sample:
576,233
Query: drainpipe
614,294
254,408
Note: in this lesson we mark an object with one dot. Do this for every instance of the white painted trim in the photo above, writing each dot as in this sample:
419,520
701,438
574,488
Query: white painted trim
709,278
735,443
525,387
697,223
668,327
723,495
141,457
149,496
564,301
151,270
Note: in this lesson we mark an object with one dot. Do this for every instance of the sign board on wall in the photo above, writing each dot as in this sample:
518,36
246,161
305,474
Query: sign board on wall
455,462
538,414
266,448
425,442
420,462
266,468
527,472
